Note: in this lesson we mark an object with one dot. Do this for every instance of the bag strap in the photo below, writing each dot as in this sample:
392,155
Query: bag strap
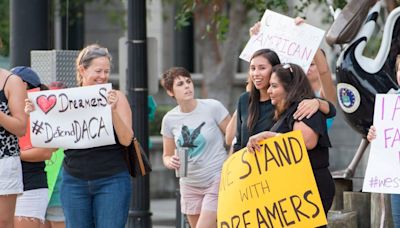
139,155
283,118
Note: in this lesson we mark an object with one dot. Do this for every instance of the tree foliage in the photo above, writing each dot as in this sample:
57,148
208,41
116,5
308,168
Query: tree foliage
220,30
4,27
220,17
65,6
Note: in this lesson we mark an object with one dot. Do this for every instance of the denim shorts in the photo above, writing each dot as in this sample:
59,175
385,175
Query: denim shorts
55,214
11,176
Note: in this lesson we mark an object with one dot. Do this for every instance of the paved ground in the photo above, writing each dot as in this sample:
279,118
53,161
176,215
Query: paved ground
163,212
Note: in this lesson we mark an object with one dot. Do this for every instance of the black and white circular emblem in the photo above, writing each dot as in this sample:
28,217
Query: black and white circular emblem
349,97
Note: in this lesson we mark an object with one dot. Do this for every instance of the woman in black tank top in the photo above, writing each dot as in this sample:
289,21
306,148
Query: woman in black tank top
96,180
13,122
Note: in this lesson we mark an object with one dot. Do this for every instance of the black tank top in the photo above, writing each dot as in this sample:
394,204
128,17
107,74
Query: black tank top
8,142
97,162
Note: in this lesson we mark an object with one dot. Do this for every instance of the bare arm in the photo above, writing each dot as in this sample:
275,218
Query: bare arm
328,89
121,116
309,135
37,154
224,123
16,94
231,129
309,107
170,159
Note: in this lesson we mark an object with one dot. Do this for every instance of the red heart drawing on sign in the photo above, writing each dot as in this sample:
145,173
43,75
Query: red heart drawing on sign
46,103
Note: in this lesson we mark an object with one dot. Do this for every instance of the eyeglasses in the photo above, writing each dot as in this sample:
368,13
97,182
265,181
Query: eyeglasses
93,52
287,66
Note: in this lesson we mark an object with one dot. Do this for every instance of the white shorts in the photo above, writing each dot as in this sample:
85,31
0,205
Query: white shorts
32,204
195,199
11,176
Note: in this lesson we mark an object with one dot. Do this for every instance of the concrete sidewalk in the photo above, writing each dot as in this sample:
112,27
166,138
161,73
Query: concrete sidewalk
164,211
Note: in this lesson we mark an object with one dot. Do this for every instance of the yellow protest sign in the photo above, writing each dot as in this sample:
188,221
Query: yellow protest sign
274,187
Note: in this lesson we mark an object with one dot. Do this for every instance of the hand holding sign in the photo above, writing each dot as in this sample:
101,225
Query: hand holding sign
293,43
383,168
274,187
72,118
253,144
112,98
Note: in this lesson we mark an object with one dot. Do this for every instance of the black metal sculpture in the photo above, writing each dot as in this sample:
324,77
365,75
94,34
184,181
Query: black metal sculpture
360,78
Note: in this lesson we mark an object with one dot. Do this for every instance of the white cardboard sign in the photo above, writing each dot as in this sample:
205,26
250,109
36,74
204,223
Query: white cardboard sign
74,118
383,169
293,43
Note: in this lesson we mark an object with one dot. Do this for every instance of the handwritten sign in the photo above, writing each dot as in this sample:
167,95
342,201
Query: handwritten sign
274,187
293,43
383,169
72,118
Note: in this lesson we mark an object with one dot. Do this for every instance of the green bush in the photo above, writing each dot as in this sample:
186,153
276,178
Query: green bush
155,125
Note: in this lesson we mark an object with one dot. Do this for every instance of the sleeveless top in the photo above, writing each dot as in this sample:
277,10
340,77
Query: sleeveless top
96,162
8,142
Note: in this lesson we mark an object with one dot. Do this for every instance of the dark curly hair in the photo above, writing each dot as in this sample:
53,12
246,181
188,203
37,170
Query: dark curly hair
169,76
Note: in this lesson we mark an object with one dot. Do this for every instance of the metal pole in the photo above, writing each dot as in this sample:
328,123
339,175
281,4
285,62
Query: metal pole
139,213
184,48
73,25
29,29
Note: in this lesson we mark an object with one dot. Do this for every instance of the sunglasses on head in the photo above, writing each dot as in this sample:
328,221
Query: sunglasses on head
287,66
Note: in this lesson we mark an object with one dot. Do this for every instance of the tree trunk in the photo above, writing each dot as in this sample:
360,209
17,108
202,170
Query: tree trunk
220,61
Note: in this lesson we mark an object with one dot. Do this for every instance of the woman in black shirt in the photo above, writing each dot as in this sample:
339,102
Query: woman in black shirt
255,111
288,87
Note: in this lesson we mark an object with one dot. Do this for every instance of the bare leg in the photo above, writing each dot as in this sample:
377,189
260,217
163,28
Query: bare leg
24,222
46,224
349,171
207,219
193,220
7,210
57,225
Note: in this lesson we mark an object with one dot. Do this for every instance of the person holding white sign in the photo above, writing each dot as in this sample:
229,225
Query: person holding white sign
318,74
96,185
13,123
395,198
196,126
289,86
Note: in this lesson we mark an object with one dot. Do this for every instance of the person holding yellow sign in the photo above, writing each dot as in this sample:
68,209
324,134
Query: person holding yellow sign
288,87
